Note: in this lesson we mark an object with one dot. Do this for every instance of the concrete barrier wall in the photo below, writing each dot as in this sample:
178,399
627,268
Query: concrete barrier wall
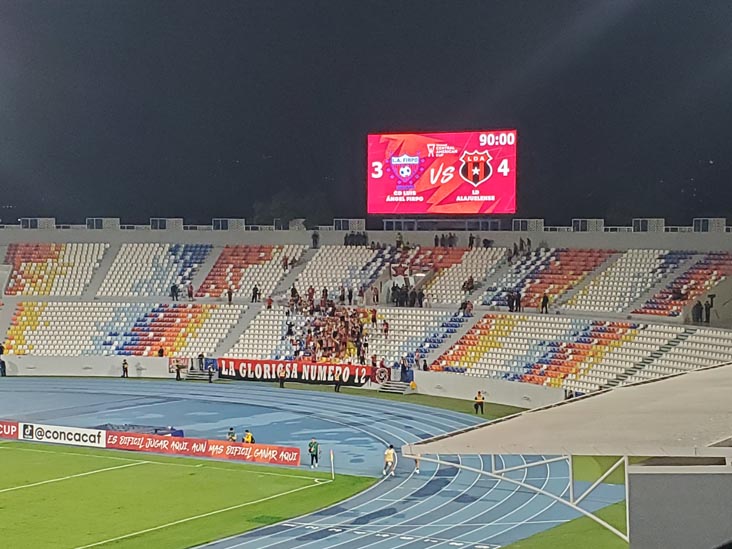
524,395
619,241
101,366
442,384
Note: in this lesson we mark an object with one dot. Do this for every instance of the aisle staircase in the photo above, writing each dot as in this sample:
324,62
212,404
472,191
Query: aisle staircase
647,361
395,387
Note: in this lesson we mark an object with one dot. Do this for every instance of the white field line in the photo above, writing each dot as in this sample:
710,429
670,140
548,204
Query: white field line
153,462
50,481
204,515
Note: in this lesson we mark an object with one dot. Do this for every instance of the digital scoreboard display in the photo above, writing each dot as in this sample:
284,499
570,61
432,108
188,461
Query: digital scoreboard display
463,173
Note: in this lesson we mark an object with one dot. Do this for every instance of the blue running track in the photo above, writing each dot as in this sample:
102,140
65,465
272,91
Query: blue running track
442,506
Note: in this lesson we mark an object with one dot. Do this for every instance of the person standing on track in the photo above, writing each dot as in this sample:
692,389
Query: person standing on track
314,451
125,369
389,460
479,400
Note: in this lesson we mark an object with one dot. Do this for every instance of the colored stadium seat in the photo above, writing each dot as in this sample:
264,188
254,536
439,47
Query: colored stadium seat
52,269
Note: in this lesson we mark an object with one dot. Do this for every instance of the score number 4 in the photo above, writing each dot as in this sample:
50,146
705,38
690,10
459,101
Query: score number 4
377,171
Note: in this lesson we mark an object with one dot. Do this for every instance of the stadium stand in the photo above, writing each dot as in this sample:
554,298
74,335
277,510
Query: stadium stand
626,280
96,328
131,314
335,266
554,271
690,349
240,267
52,269
578,354
690,285
151,268
411,332
478,264
423,259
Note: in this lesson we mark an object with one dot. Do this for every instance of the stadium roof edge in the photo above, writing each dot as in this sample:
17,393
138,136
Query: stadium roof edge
685,415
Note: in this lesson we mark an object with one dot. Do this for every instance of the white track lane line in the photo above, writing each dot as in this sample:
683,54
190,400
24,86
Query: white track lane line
502,520
401,511
68,477
328,518
233,395
447,528
203,515
544,509
428,512
349,510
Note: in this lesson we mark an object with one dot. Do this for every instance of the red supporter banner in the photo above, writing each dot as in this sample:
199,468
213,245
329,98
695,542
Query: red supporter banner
203,448
9,429
245,369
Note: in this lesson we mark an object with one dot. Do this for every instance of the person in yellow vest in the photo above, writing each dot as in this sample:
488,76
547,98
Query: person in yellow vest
389,460
248,438
479,400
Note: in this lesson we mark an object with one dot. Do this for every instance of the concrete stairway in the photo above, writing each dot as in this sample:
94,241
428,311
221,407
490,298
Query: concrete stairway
101,273
395,387
283,287
206,267
663,282
238,329
647,361
569,294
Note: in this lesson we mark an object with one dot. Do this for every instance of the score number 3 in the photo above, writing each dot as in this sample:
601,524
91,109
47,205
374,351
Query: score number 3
378,170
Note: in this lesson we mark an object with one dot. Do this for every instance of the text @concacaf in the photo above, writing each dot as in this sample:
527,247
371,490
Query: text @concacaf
39,433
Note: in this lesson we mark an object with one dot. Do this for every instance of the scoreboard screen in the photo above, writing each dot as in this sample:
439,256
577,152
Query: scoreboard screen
464,173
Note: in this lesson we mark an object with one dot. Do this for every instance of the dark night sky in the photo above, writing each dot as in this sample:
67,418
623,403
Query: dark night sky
145,108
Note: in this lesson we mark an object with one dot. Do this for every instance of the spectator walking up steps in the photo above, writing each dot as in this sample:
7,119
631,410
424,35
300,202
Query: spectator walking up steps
314,451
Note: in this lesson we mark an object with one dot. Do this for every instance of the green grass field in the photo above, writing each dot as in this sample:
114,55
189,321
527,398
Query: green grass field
584,532
61,496
581,533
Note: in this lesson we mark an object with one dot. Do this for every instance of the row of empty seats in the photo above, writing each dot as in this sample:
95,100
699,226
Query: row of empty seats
692,284
151,269
478,263
545,270
241,267
631,276
579,354
52,269
335,266
97,328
